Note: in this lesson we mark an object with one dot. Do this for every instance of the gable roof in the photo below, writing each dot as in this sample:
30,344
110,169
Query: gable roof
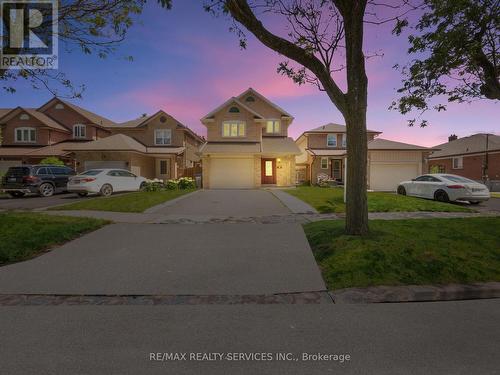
4,111
385,144
91,116
467,145
226,103
266,100
332,127
43,118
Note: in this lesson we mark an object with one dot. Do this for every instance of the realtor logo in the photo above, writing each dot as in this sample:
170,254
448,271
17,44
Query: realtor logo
28,34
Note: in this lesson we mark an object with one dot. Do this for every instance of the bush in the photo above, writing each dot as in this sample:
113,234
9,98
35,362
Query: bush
151,186
52,160
186,183
172,185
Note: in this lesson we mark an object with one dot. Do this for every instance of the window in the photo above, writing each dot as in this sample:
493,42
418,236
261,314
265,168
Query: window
27,135
92,172
234,110
457,178
59,171
324,163
59,106
24,116
43,171
344,140
250,99
331,140
163,136
422,178
164,168
458,163
273,127
233,129
79,131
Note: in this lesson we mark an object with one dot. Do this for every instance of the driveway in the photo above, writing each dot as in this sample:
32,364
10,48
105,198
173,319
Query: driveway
32,202
235,203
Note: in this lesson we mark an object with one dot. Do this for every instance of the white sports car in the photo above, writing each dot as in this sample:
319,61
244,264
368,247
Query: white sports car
105,182
445,188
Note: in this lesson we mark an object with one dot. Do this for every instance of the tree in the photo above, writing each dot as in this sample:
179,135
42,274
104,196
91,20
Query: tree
52,160
457,49
90,26
320,31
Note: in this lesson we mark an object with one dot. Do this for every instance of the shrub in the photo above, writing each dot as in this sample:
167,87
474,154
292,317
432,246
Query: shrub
172,185
52,160
186,183
151,186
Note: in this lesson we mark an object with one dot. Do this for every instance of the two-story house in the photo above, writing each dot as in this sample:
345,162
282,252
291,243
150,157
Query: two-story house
248,145
156,146
324,152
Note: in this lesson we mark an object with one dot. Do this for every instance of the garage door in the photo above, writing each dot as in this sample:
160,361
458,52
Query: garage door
386,177
231,173
6,164
103,164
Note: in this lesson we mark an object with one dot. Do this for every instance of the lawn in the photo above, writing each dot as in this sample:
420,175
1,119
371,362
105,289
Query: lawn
25,235
133,202
331,200
403,252
495,195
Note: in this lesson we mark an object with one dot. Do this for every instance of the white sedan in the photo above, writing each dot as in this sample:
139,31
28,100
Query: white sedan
105,182
445,188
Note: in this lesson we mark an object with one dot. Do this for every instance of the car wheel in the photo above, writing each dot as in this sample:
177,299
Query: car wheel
143,186
46,190
474,202
401,190
83,194
106,190
16,194
441,196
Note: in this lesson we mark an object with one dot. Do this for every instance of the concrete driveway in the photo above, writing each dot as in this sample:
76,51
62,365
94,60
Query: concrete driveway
32,202
217,203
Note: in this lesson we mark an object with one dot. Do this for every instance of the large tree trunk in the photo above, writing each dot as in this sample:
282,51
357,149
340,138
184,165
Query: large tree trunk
355,116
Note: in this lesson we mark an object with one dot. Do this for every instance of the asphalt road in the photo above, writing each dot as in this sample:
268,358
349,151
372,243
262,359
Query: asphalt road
414,338
32,202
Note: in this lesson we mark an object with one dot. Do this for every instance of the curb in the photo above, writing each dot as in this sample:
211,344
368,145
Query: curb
155,209
416,293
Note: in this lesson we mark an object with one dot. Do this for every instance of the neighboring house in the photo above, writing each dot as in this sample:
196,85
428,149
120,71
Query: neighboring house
248,145
476,157
156,146
324,152
152,146
28,135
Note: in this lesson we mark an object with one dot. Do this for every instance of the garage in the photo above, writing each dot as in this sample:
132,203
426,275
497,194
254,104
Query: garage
234,173
386,177
104,164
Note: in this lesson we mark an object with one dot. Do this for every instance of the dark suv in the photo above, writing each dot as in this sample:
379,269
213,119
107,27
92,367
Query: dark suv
44,180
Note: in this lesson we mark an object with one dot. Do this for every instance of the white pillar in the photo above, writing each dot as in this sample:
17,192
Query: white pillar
345,180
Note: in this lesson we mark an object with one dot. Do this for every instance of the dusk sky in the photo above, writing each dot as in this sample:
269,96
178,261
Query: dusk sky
187,63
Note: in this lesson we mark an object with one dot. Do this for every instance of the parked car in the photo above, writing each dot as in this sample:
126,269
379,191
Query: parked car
105,182
445,188
44,180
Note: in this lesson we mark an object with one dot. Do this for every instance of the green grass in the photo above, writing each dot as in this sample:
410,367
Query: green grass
25,235
331,200
495,195
404,252
133,202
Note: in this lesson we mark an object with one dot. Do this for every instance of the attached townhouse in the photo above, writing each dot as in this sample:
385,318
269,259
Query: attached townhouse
156,146
248,145
324,152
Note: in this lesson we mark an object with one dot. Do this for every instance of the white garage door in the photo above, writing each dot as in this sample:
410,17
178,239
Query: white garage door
6,164
231,173
102,164
386,177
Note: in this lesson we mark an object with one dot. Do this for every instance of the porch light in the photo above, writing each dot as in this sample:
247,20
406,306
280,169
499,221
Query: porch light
279,160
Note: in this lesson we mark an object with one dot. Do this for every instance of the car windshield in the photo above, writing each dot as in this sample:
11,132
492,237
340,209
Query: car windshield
457,178
92,172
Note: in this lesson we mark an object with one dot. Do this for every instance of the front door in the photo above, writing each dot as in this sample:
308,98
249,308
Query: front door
337,169
268,171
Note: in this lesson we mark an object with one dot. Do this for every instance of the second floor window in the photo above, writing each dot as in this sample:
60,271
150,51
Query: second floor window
26,135
273,127
79,131
163,136
331,140
233,129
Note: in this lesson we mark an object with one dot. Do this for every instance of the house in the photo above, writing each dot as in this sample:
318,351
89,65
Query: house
248,145
476,157
151,146
156,146
28,135
324,152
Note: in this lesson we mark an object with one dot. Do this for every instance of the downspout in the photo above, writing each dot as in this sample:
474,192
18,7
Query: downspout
485,164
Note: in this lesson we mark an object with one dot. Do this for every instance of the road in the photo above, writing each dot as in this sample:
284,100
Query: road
32,202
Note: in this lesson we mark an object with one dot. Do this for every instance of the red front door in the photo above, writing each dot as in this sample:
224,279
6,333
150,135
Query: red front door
268,171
